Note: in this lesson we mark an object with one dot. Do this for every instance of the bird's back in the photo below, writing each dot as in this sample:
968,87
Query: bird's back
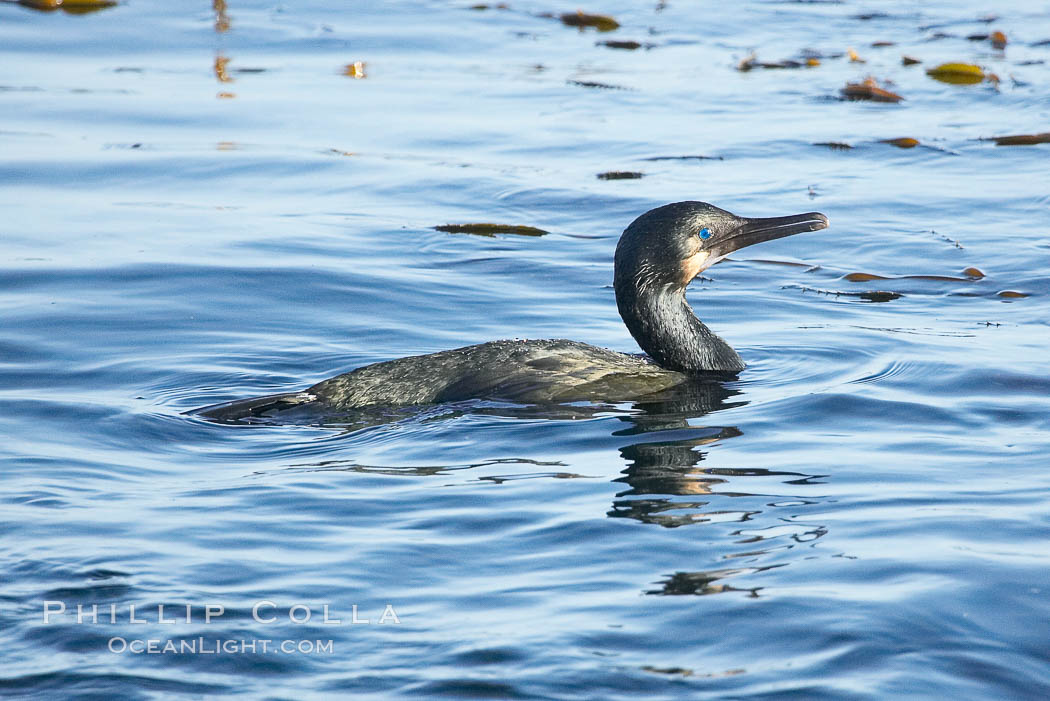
528,371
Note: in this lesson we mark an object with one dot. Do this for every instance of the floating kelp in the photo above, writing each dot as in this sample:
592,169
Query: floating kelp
219,69
672,671
626,45
620,175
595,84
686,672
483,6
868,277
583,20
814,53
882,44
72,7
853,57
355,70
222,20
1012,294
484,229
869,90
1020,139
972,272
683,158
835,145
751,62
997,38
909,61
957,73
904,142
880,296
870,296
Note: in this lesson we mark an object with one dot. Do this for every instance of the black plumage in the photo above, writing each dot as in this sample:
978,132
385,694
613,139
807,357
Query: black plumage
656,258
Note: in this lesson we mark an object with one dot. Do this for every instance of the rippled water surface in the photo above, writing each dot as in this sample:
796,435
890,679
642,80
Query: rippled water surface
205,203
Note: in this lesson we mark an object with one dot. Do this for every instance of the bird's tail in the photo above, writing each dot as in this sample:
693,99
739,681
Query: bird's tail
258,408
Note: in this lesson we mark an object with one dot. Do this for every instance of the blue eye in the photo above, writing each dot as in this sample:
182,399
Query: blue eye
705,233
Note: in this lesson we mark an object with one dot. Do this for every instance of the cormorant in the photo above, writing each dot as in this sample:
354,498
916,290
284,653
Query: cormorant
657,257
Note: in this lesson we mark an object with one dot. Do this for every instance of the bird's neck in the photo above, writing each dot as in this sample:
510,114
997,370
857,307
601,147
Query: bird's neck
666,328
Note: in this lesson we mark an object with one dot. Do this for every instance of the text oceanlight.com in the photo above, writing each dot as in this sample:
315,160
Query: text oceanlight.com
218,646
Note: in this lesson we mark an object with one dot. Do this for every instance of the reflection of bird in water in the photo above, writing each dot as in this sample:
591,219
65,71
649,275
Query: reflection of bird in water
657,471
704,583
657,257
660,472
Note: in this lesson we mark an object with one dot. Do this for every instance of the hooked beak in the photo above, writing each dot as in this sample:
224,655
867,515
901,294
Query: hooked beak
752,231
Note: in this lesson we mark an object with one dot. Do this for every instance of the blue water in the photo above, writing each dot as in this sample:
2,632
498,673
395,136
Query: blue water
199,205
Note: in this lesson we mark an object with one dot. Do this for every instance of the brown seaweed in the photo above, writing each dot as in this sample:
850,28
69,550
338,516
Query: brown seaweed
957,73
583,20
487,229
683,158
71,7
751,62
219,68
903,142
626,45
972,274
595,84
1020,139
869,90
620,175
871,296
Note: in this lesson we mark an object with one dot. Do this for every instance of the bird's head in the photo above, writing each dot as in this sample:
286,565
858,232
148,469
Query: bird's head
669,246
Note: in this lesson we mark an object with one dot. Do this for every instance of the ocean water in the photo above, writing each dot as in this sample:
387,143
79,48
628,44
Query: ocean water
207,202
